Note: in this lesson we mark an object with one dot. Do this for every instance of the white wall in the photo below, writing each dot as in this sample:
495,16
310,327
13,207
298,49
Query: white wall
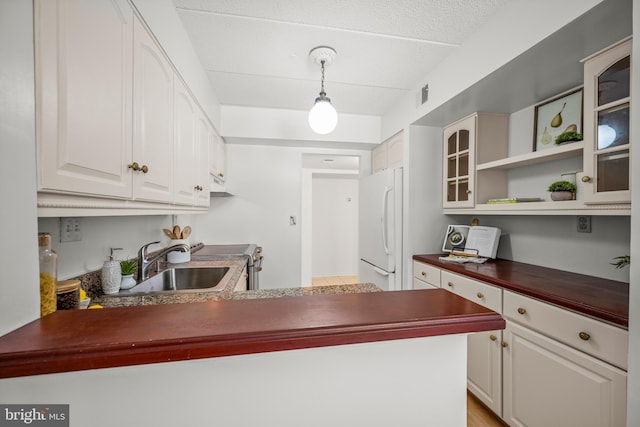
515,28
266,183
279,126
633,382
19,295
335,225
408,383
422,210
99,234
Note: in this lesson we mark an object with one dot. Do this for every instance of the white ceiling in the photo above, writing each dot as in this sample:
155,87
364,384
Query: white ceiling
255,52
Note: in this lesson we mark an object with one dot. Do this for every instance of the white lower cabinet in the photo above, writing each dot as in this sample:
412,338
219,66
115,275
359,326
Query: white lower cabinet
425,276
559,367
549,367
547,383
484,355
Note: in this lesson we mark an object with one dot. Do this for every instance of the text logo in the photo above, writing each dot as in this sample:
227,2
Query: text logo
34,415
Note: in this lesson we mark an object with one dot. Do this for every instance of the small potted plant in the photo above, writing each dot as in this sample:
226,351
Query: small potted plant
128,268
562,190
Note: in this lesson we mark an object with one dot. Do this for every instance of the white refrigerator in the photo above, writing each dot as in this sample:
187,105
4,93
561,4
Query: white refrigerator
380,229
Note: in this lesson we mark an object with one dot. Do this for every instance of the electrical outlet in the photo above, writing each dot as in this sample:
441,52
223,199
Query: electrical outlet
70,230
292,220
584,224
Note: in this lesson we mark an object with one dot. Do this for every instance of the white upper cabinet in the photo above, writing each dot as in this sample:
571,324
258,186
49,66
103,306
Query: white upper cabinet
607,102
84,90
204,140
185,139
153,119
388,154
218,158
118,131
478,138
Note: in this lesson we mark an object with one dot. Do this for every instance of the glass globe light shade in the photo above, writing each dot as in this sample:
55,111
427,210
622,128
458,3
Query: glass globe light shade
323,118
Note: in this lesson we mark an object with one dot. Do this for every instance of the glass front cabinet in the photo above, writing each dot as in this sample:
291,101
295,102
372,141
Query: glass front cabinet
607,146
459,163
476,139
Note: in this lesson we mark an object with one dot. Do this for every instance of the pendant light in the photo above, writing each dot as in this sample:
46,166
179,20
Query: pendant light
323,118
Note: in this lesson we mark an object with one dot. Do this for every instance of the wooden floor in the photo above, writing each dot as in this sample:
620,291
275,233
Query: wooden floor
334,280
479,416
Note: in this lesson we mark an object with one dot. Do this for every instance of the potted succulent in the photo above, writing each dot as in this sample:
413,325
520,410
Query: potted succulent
128,268
562,190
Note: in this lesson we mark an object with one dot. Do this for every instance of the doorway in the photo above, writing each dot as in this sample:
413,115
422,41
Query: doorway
329,219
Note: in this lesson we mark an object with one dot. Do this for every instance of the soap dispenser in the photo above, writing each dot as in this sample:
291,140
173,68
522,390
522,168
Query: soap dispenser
111,275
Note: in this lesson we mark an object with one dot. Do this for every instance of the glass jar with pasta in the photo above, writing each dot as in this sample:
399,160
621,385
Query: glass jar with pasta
48,264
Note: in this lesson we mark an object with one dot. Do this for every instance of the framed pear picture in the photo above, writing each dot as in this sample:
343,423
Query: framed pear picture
558,121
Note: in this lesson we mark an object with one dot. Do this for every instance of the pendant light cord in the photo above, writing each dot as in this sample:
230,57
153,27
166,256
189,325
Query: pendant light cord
322,92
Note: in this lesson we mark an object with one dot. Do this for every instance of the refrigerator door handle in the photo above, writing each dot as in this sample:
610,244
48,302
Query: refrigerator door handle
380,271
384,219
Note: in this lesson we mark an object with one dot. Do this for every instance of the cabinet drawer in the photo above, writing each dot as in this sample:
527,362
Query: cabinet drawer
426,273
599,339
481,293
419,284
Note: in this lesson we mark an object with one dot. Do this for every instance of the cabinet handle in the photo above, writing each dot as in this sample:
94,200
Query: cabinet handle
198,188
220,174
423,274
521,310
504,344
493,337
586,178
136,167
480,295
450,284
468,191
584,336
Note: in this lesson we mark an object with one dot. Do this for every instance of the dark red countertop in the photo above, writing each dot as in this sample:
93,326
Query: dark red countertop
111,337
603,299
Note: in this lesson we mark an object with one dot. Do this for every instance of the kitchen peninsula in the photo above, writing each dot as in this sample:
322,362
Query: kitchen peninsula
375,359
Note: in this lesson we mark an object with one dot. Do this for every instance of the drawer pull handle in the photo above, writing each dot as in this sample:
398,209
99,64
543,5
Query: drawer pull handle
521,310
584,336
493,337
504,344
423,274
450,284
480,295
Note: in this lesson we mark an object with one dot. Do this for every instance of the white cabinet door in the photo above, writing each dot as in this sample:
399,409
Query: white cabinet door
459,163
218,158
205,137
549,384
153,119
607,103
379,158
83,75
484,368
484,355
395,151
184,155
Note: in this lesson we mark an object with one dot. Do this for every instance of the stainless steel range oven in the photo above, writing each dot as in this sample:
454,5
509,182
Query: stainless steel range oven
251,252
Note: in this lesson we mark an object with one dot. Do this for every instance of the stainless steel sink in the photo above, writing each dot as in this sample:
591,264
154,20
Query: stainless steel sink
202,279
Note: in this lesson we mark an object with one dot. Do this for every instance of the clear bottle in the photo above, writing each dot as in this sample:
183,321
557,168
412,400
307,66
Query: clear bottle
48,274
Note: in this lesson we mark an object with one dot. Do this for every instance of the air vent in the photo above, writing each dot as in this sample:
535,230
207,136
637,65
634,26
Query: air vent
425,93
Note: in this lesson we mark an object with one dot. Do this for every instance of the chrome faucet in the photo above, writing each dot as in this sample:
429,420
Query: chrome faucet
144,263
